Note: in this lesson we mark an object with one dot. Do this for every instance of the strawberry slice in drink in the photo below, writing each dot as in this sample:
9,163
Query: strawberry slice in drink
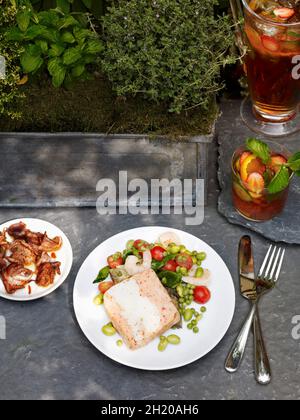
270,43
284,12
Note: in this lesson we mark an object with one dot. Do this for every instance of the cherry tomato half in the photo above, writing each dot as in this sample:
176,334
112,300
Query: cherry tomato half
170,266
141,245
184,260
115,260
201,295
158,253
105,286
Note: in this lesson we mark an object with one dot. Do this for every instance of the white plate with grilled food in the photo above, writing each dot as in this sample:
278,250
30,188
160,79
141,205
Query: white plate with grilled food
139,307
35,259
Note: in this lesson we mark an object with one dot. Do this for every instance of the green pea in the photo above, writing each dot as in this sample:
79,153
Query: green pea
199,272
163,344
194,323
178,269
181,300
175,249
201,256
109,330
195,330
190,326
199,317
173,339
182,248
119,343
203,309
188,315
98,300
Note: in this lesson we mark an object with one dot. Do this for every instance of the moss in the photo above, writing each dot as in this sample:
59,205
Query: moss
91,106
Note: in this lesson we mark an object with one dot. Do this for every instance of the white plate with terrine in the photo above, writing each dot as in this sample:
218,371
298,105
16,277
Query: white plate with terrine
212,328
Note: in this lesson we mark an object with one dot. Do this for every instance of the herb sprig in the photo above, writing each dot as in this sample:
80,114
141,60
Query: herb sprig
282,178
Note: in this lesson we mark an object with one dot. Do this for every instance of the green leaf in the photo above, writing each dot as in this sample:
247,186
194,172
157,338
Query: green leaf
94,47
77,71
54,65
64,5
59,77
43,45
30,63
34,31
34,50
259,149
14,34
82,34
23,20
68,21
56,50
170,279
68,38
49,18
103,274
294,163
157,265
280,182
51,35
71,55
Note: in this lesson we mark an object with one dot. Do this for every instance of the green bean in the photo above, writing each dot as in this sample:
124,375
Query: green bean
199,272
201,256
173,339
188,315
194,260
179,290
182,248
98,300
109,330
163,344
175,249
183,271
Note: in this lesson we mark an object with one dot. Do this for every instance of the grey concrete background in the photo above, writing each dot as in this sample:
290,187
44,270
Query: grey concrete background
45,355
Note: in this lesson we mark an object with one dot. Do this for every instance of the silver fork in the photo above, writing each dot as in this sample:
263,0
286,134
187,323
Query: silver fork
266,280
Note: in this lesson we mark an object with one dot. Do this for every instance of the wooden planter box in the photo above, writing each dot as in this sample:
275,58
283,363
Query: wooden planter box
62,170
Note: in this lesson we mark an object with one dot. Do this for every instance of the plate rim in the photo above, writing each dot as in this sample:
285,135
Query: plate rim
48,291
157,368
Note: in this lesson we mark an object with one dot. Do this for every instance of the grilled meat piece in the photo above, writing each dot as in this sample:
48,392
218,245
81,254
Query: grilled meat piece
15,277
46,273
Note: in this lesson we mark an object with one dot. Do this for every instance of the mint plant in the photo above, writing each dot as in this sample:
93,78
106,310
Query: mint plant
57,41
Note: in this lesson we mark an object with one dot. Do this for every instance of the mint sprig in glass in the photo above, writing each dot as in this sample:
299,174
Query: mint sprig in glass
262,172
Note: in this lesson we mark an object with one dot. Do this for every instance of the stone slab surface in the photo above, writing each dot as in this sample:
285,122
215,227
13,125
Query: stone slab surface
63,170
286,227
45,355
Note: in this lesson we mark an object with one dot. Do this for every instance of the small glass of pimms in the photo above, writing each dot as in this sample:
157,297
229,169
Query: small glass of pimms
250,180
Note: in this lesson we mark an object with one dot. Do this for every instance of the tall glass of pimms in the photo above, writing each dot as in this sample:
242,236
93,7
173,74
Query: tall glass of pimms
271,35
